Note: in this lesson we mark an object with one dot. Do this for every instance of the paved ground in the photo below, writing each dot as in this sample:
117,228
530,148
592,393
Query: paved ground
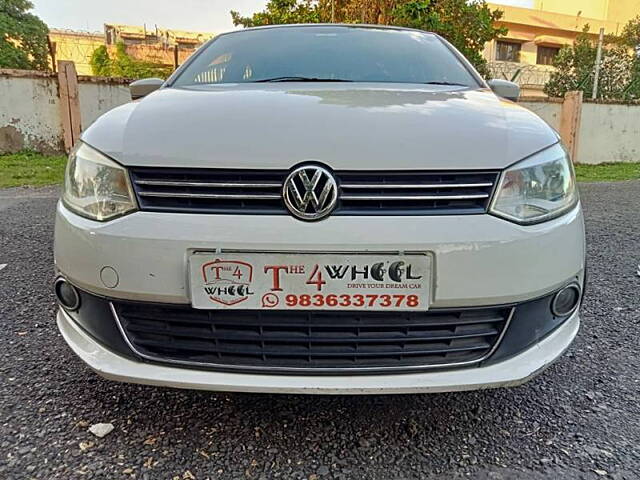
581,419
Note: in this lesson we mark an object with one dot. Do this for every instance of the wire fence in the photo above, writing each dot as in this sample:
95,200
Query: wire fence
79,49
75,48
520,73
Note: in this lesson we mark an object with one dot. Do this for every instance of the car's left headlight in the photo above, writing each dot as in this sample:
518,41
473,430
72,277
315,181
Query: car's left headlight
537,189
95,186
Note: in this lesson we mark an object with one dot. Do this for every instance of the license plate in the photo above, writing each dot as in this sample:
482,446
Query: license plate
310,281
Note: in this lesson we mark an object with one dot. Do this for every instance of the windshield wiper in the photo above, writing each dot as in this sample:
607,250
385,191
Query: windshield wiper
300,79
445,83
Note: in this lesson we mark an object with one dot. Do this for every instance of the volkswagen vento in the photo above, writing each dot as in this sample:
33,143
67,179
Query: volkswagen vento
320,209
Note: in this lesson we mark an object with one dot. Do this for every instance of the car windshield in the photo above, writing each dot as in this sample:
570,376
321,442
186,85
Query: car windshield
327,54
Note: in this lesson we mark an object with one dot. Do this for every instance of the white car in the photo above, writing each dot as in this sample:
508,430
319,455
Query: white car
320,209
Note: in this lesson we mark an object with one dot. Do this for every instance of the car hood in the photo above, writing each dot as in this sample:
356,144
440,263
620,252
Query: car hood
345,126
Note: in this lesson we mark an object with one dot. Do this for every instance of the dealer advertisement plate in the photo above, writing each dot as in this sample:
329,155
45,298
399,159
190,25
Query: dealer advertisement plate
310,281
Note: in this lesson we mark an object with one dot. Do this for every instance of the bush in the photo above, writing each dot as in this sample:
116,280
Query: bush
122,65
619,77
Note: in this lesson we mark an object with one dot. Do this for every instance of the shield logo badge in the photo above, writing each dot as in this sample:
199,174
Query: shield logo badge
227,281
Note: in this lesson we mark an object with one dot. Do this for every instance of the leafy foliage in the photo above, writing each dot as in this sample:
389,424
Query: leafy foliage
280,12
619,76
100,62
574,67
630,35
122,65
23,37
366,11
467,25
630,38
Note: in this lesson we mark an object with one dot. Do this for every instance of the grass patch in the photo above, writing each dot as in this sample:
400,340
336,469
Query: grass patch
31,169
608,172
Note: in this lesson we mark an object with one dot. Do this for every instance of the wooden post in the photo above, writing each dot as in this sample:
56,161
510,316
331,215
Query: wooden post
570,122
175,57
69,103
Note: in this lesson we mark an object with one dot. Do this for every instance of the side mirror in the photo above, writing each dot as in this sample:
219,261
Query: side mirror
505,89
142,88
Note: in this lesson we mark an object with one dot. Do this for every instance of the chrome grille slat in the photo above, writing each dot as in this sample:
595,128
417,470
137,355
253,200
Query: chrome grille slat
164,183
383,197
417,186
213,196
259,192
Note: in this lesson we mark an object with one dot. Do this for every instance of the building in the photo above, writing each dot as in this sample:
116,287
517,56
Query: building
157,45
75,46
536,35
135,35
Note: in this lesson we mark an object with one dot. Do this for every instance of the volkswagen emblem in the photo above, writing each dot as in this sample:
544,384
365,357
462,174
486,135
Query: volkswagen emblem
310,192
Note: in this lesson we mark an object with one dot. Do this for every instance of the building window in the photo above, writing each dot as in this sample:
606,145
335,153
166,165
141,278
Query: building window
507,51
546,55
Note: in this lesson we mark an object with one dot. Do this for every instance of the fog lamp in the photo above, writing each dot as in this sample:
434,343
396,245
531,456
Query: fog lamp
67,294
566,300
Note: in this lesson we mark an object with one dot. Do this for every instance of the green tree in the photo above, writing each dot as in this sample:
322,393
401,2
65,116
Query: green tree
619,76
366,11
467,25
630,35
280,12
122,65
23,37
573,67
630,38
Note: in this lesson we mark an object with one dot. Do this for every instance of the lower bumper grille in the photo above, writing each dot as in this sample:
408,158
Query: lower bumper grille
322,342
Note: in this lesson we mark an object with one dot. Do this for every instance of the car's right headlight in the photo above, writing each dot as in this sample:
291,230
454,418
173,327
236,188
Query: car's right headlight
537,189
95,186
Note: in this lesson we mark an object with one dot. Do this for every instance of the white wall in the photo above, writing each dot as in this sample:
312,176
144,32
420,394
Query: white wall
29,114
609,133
548,111
30,111
97,98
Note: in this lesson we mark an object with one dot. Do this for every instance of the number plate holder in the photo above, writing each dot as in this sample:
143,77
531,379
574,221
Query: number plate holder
311,281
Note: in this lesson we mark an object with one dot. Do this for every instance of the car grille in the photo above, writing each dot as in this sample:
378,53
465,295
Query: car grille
316,341
360,193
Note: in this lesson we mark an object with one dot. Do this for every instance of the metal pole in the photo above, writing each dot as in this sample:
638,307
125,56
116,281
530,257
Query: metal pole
596,75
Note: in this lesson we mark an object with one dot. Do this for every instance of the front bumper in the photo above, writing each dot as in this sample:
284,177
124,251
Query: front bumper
510,372
479,260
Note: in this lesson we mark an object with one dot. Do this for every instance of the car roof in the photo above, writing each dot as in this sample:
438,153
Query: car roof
343,25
